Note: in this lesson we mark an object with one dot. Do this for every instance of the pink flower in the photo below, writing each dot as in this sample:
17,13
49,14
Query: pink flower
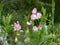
17,26
39,15
35,14
34,10
40,26
33,17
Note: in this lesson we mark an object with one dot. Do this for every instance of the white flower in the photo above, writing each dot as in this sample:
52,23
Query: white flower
17,22
29,23
35,28
16,39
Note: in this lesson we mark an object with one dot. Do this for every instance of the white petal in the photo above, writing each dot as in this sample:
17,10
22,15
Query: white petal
16,39
35,28
28,23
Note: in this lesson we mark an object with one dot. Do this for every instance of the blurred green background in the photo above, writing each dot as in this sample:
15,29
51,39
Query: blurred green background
19,8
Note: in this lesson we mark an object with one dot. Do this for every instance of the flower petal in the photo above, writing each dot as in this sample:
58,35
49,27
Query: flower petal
39,15
34,10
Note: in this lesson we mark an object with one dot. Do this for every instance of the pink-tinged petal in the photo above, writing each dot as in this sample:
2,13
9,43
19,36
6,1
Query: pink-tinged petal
17,26
34,10
39,15
14,23
40,26
33,17
35,28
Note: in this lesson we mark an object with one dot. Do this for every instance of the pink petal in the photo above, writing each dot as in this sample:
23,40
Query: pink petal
39,15
17,26
14,23
40,26
33,17
34,10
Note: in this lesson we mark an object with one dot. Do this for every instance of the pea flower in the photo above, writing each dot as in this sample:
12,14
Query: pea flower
35,28
29,23
17,26
34,10
39,15
40,26
33,17
35,14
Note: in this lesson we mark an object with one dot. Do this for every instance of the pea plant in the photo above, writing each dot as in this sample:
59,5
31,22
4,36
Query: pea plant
37,32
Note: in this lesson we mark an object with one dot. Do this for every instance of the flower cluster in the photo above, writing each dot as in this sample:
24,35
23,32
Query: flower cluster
17,26
35,28
35,14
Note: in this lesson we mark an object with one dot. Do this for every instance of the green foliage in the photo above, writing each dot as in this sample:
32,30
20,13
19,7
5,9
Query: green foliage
20,10
6,20
1,8
44,15
53,9
58,29
6,23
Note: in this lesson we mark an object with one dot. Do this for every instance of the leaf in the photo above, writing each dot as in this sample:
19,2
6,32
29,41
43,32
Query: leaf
43,10
3,20
6,20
